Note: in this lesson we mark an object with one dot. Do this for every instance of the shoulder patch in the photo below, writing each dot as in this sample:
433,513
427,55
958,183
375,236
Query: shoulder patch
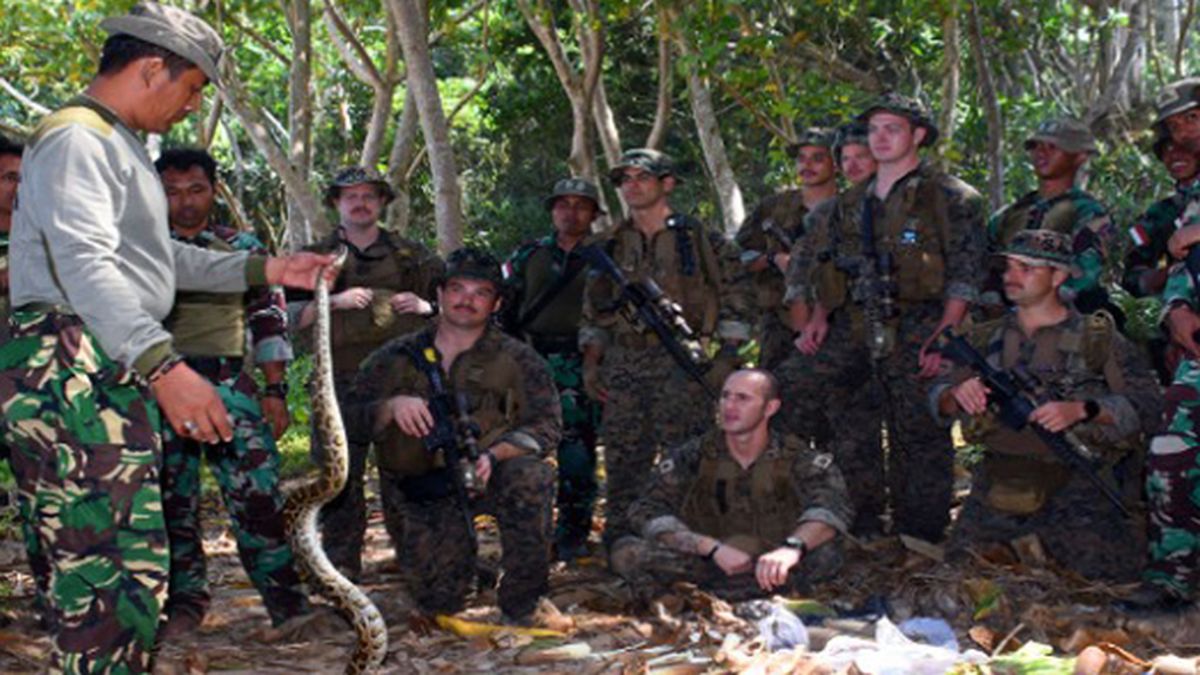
667,465
73,115
823,461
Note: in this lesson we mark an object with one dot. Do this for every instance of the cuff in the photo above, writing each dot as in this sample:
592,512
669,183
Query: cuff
935,395
822,515
662,525
153,357
275,348
960,290
794,294
523,441
256,270
733,330
1128,424
591,335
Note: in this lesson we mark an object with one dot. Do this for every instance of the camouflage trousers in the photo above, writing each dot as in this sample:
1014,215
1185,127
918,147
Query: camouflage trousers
1077,527
247,471
775,339
25,468
652,405
344,518
651,569
577,484
1173,487
917,474
86,436
436,553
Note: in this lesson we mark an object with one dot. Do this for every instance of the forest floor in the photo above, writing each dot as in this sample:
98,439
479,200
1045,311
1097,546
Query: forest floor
997,603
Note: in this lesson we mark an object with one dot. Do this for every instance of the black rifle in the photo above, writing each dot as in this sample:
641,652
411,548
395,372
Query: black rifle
772,228
645,302
1015,403
454,435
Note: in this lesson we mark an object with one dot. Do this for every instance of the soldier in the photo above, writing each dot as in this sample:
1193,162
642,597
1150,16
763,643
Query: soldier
209,330
1148,260
380,295
545,279
1094,383
10,177
814,366
90,370
744,511
889,295
768,235
1058,150
649,402
1178,113
509,394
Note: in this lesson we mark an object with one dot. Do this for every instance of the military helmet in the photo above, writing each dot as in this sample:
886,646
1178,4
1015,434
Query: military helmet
904,106
357,175
580,187
647,159
811,136
473,263
851,133
1042,248
1177,97
1067,133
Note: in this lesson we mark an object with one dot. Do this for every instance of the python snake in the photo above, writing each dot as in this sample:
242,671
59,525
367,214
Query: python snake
304,501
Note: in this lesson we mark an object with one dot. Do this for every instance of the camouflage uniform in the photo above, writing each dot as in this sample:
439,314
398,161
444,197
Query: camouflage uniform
699,487
652,403
210,330
554,333
512,398
1153,229
390,265
1020,487
93,273
931,226
1173,469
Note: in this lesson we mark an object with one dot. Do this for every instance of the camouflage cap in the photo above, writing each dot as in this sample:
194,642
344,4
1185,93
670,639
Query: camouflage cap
473,263
811,136
175,30
1177,97
1042,248
357,175
580,187
851,133
1067,133
647,159
905,106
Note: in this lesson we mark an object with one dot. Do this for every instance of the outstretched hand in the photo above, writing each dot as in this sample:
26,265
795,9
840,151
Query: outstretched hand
299,270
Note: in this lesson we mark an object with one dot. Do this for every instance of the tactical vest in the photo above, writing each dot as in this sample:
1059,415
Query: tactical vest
758,507
358,332
1059,213
561,316
490,378
1023,471
209,324
787,210
680,259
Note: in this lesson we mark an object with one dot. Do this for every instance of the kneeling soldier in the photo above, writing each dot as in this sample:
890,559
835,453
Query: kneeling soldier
404,392
744,511
1090,385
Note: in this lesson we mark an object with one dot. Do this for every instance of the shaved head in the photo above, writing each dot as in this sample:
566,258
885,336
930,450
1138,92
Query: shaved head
768,384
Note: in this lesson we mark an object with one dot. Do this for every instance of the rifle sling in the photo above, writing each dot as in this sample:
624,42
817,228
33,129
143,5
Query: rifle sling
574,265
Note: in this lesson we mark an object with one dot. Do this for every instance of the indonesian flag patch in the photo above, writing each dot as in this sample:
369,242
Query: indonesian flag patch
1138,234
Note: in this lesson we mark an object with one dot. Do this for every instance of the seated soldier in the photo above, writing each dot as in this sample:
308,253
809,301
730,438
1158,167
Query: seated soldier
1094,384
745,511
510,396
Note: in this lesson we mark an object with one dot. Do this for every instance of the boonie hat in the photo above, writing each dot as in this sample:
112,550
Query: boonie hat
175,30
580,187
357,175
647,159
1041,248
811,136
904,106
1067,133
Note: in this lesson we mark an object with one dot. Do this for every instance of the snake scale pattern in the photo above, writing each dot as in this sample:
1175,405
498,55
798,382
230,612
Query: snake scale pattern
304,502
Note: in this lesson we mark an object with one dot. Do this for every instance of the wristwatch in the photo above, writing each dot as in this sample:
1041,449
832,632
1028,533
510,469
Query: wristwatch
1091,410
276,390
798,544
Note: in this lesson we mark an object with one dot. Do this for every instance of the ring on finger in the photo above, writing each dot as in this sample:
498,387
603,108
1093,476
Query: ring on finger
190,427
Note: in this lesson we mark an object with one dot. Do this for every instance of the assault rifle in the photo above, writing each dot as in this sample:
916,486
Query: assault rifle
772,229
645,303
454,435
1012,394
874,286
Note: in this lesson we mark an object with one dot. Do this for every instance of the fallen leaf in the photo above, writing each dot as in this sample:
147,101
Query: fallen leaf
1029,550
922,547
985,637
1087,636
569,652
986,596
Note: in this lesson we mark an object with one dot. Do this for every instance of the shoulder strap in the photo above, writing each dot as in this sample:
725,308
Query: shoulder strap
574,265
425,357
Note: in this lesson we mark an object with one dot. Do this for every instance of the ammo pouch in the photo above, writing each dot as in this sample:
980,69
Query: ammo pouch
1020,485
428,487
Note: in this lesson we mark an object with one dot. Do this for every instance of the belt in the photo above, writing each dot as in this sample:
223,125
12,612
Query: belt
636,340
45,308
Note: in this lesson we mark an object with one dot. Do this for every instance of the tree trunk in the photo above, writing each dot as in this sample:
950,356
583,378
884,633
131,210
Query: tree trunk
991,106
422,82
950,81
662,109
729,195
404,150
300,117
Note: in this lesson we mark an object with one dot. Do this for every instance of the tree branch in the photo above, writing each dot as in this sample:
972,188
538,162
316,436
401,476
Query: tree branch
839,69
23,99
1120,74
1184,27
662,107
257,37
350,47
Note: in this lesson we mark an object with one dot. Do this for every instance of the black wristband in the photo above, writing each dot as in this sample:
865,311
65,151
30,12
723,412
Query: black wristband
276,390
1091,410
713,552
